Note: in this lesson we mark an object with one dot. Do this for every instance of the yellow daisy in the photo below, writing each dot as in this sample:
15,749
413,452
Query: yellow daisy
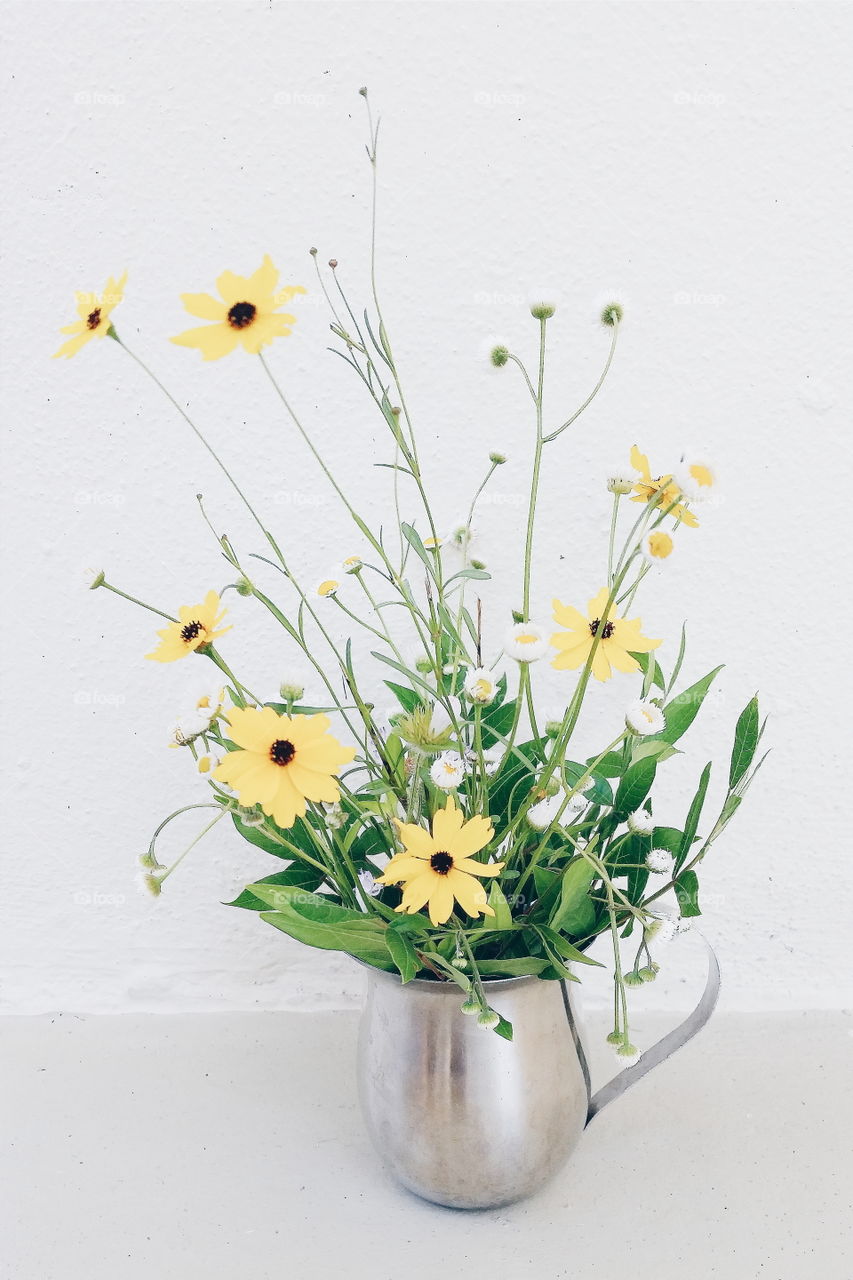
438,869
94,313
248,313
282,762
620,637
197,624
662,491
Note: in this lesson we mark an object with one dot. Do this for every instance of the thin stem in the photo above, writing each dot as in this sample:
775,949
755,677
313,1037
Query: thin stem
577,413
133,600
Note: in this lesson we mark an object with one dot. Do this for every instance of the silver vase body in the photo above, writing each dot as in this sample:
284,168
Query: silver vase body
460,1115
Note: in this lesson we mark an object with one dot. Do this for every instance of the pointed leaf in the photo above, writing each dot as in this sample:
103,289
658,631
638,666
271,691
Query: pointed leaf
746,740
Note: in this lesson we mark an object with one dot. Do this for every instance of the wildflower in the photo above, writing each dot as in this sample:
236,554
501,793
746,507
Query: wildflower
282,761
471,1005
352,564
660,929
448,771
437,869
94,317
526,642
627,1050
611,314
197,625
492,758
542,814
433,544
656,546
644,718
427,728
660,862
618,638
499,356
291,690
334,816
497,459
541,310
662,492
249,815
247,315
641,823
480,685
695,479
98,580
328,587
207,763
149,883
369,883
620,482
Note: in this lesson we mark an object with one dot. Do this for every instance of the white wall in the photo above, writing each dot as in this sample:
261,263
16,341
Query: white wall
691,158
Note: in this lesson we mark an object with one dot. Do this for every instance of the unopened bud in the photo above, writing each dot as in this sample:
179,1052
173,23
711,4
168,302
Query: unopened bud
488,1019
499,357
611,315
542,310
497,458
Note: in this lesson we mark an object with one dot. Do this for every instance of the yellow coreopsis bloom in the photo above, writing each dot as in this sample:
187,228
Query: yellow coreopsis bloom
282,761
619,638
94,317
248,313
197,624
437,869
662,490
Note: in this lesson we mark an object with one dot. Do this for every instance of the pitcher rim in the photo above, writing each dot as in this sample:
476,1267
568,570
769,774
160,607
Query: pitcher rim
449,987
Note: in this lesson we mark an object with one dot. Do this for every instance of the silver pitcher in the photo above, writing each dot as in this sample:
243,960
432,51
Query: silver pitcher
467,1119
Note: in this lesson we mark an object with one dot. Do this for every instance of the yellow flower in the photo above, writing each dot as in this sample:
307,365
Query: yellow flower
197,624
620,637
657,545
248,313
661,491
94,313
438,869
282,762
328,587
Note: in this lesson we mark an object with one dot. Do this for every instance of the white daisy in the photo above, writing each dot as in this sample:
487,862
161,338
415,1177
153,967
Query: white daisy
542,814
620,480
656,546
448,771
328,587
660,862
369,883
526,642
644,717
695,479
480,685
206,764
352,564
492,758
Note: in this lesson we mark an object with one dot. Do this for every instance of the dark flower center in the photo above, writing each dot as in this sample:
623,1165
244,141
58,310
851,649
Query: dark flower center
282,751
441,862
241,314
191,631
93,319
606,630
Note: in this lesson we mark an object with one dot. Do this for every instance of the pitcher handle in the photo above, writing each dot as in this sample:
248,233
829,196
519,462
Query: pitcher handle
660,1051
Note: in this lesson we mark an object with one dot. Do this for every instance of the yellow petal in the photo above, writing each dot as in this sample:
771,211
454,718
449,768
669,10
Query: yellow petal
445,824
205,306
600,665
213,340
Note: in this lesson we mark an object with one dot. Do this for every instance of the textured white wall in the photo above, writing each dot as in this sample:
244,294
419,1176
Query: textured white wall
692,158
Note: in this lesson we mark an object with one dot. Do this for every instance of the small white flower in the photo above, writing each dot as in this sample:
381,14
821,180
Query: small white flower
369,884
448,771
188,728
576,804
492,758
352,564
621,481
660,929
656,546
644,717
526,642
148,883
434,544
660,861
334,816
480,685
542,814
250,817
695,479
328,587
207,763
461,536
209,701
641,823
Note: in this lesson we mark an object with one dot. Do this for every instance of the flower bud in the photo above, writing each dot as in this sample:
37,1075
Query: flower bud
499,357
291,690
615,1037
243,587
633,979
627,1050
477,564
471,1005
542,310
488,1019
649,973
612,315
618,482
497,458
98,580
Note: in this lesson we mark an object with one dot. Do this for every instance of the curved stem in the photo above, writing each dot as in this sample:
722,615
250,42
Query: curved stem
577,413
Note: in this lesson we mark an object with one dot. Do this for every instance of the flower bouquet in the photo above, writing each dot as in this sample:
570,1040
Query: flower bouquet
458,842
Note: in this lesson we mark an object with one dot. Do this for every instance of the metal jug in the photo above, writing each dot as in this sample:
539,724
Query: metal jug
467,1119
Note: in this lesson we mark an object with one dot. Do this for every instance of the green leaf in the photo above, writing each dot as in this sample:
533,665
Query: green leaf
651,671
415,542
496,722
635,785
687,892
693,815
330,928
523,966
746,740
575,913
565,948
500,906
403,953
600,792
682,710
503,1028
299,875
408,699
655,748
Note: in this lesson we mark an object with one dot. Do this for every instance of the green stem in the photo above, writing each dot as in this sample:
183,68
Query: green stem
133,600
